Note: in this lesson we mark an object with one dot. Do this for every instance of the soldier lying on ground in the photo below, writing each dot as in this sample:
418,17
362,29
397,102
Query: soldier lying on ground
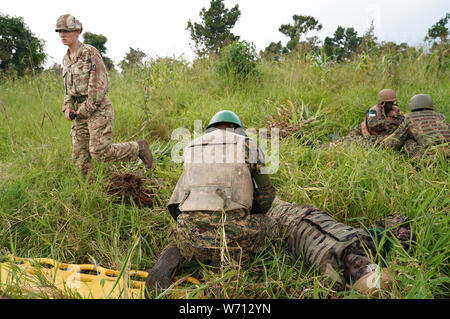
421,129
381,119
343,253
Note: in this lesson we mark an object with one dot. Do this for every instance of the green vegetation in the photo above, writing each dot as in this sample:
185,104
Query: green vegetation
47,209
213,32
20,50
98,41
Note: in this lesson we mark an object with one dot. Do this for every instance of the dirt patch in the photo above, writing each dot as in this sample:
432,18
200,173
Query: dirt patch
127,187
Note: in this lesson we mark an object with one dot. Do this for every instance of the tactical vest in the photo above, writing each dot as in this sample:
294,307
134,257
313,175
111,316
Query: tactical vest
216,176
321,241
426,125
366,131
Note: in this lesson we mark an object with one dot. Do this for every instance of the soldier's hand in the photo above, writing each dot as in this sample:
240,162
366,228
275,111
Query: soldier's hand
67,113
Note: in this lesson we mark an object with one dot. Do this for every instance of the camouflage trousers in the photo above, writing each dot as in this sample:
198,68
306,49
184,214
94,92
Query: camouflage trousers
92,137
216,237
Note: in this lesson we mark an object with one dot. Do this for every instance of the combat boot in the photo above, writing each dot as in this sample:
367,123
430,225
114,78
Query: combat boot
159,277
145,154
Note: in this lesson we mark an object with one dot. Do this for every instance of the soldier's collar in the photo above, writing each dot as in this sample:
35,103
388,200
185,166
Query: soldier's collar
75,59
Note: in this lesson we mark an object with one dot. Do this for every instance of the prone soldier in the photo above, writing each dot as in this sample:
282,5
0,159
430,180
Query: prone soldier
341,252
421,129
380,120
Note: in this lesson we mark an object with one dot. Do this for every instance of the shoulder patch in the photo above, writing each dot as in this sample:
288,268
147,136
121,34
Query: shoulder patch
372,113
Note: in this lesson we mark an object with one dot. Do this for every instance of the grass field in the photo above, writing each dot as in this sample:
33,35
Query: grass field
47,209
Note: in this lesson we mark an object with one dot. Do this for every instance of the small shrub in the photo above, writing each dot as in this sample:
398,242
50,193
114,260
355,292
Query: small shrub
238,61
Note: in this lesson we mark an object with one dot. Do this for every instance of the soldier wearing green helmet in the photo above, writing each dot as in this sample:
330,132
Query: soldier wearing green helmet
423,126
219,202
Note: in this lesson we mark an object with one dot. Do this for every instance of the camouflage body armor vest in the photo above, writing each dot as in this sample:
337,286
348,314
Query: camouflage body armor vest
215,175
322,242
366,131
428,127
316,237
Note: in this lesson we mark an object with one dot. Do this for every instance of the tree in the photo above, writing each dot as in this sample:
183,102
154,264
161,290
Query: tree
213,32
20,50
132,59
98,41
369,40
343,44
439,30
302,25
273,51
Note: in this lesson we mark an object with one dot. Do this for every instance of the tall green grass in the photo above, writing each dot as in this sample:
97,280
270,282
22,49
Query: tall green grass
47,209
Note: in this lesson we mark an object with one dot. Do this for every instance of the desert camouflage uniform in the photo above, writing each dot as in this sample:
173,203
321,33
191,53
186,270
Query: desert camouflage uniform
86,83
213,236
425,127
315,236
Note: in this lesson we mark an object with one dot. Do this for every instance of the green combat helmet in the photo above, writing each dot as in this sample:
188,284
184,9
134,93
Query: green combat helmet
420,101
387,95
68,22
225,116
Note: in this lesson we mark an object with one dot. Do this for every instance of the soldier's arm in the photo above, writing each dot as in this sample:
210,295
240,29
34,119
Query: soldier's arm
98,85
68,100
68,103
397,139
380,125
264,192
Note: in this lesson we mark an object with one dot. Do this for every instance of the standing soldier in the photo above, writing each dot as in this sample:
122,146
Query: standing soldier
86,83
423,126
381,119
220,201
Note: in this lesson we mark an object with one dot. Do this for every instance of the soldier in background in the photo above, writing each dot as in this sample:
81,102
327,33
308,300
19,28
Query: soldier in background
380,120
344,254
421,129
219,203
86,83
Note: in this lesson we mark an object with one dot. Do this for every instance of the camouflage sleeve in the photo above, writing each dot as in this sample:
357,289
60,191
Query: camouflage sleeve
68,100
264,192
380,125
397,139
98,85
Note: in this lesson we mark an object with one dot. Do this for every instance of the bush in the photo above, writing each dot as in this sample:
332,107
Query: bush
238,61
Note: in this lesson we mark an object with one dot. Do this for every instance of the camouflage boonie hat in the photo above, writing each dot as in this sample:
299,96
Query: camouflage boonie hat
420,101
68,22
387,95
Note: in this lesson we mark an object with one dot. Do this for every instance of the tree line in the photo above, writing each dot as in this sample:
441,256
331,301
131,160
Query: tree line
22,52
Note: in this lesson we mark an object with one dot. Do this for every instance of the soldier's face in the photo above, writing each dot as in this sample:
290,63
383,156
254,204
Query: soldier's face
388,106
356,265
69,37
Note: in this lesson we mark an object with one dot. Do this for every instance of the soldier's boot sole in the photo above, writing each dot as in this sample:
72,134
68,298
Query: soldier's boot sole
159,277
145,154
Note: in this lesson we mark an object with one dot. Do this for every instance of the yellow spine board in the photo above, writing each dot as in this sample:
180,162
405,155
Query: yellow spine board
52,278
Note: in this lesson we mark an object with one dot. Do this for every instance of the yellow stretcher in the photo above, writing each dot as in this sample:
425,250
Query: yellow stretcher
48,278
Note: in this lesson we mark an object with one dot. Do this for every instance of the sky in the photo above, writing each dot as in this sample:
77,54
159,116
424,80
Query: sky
158,28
